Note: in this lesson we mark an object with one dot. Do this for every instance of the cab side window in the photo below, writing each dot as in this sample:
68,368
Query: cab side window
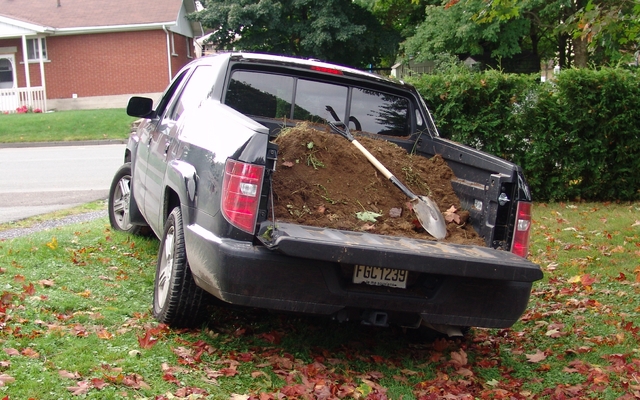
168,94
260,94
380,113
196,90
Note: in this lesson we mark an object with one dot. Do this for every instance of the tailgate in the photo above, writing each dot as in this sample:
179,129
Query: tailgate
425,256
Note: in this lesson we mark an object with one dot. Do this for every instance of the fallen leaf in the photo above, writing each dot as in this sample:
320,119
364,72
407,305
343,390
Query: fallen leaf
587,280
537,357
46,283
81,388
256,374
135,381
69,375
553,333
53,244
368,216
459,358
229,371
11,352
575,279
28,352
98,383
451,216
4,379
104,334
367,227
409,372
235,396
29,289
147,341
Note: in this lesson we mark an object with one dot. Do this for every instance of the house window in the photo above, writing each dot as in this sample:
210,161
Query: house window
33,49
188,48
173,45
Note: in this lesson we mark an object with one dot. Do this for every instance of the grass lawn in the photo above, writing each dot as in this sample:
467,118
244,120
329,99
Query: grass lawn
65,126
75,320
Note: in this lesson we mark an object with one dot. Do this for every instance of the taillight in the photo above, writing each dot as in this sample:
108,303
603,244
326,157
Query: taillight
520,243
241,189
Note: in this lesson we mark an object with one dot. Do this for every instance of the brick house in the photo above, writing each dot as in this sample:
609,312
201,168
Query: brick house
72,54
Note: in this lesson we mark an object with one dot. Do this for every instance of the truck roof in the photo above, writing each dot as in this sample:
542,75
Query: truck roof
311,63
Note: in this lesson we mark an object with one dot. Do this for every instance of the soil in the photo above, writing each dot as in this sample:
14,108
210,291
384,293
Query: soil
323,180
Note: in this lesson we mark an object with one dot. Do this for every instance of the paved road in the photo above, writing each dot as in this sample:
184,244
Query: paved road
38,180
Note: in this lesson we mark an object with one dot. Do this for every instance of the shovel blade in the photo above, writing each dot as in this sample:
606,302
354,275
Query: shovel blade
430,216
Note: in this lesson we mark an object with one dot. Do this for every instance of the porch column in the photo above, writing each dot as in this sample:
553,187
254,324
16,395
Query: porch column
25,59
42,80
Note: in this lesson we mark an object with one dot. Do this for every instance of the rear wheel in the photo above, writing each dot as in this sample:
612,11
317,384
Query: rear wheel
120,200
177,300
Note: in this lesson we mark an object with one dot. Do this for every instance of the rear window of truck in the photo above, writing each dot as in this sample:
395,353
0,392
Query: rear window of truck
267,95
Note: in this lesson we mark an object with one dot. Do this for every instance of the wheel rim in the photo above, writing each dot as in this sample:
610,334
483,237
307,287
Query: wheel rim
121,203
166,268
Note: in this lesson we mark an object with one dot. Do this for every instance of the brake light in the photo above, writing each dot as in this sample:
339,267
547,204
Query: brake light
327,70
520,243
241,187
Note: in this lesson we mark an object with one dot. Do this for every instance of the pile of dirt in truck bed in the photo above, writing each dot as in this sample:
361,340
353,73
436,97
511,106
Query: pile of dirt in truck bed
323,180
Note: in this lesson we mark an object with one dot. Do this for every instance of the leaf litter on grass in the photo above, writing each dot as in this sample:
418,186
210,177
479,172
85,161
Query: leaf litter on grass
578,339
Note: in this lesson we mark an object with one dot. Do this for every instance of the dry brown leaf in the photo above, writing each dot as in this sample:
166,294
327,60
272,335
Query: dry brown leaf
451,216
4,379
46,283
537,357
69,375
80,388
459,358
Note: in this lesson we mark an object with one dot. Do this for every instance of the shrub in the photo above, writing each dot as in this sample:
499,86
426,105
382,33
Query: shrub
576,137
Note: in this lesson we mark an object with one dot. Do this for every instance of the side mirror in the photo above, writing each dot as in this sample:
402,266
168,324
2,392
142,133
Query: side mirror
141,107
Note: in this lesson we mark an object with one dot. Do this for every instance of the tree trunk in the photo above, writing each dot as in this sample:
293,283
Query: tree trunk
581,55
562,51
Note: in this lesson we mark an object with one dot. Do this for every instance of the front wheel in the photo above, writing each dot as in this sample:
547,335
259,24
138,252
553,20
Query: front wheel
177,300
120,200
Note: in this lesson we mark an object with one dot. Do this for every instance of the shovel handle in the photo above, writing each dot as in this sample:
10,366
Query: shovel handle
387,174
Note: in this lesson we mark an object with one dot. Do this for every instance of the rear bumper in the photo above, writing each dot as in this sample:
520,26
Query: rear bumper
245,274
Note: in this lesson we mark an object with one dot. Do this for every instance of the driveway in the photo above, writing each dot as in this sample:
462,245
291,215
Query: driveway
38,180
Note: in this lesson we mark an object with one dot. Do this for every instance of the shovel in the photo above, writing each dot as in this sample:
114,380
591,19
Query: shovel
425,208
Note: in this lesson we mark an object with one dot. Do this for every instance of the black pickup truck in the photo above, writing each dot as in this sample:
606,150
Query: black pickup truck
197,172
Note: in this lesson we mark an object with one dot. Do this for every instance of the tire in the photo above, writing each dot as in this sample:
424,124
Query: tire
120,200
177,300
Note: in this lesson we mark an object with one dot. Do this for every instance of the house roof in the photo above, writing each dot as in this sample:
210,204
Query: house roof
77,15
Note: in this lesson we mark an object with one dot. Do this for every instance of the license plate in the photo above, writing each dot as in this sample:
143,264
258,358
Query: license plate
392,277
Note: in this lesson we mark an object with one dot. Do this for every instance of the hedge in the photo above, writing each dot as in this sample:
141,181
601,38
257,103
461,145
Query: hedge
575,138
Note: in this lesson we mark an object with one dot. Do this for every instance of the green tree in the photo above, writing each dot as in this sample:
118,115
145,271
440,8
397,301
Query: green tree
574,32
335,30
403,16
458,27
609,30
